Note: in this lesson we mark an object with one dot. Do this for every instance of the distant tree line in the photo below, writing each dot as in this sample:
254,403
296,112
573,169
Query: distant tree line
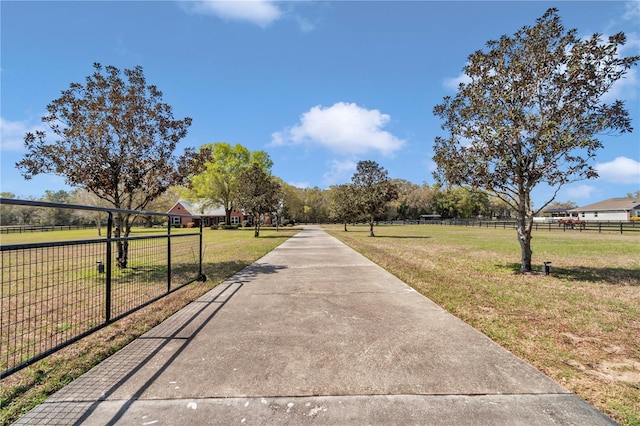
26,215
297,205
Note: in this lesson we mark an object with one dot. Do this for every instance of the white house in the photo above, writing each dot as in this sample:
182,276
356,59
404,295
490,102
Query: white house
615,209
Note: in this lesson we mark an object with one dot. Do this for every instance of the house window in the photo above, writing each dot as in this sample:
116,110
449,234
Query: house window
175,220
595,214
235,220
582,214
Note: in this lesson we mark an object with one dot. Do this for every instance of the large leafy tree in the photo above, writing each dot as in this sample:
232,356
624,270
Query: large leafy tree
17,215
258,194
373,190
343,207
413,200
217,184
116,139
7,214
86,198
530,114
292,202
460,203
54,215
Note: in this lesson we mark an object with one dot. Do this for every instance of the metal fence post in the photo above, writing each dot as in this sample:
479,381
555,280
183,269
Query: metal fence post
108,278
169,253
200,263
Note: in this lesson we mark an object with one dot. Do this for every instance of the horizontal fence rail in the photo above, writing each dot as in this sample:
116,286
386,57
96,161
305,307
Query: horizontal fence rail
53,293
19,229
592,226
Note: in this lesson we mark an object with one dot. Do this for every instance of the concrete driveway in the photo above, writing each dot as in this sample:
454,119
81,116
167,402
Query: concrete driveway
314,333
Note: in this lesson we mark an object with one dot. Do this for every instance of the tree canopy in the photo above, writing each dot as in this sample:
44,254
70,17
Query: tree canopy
216,185
343,207
116,139
531,113
258,194
373,190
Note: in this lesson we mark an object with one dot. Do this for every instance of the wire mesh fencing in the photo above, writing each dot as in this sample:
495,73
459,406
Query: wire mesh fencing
53,293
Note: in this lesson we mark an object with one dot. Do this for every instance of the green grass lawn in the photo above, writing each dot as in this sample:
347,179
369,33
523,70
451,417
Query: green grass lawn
580,325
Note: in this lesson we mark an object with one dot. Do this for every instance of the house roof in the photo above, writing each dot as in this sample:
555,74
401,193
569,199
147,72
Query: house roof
556,210
615,204
199,208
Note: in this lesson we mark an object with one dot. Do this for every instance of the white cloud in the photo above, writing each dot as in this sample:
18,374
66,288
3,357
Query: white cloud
579,192
305,25
632,11
300,184
454,83
621,170
632,44
12,134
624,89
343,128
259,12
339,172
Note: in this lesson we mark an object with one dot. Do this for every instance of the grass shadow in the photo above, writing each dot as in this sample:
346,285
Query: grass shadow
610,276
353,230
408,237
244,271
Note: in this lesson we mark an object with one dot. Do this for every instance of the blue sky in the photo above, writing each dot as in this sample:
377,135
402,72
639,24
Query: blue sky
318,85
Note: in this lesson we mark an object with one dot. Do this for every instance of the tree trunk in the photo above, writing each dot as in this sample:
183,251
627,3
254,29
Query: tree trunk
256,228
345,226
371,227
523,228
227,216
123,246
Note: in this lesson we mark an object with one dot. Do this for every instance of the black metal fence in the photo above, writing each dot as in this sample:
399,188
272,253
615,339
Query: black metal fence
53,293
592,226
19,229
